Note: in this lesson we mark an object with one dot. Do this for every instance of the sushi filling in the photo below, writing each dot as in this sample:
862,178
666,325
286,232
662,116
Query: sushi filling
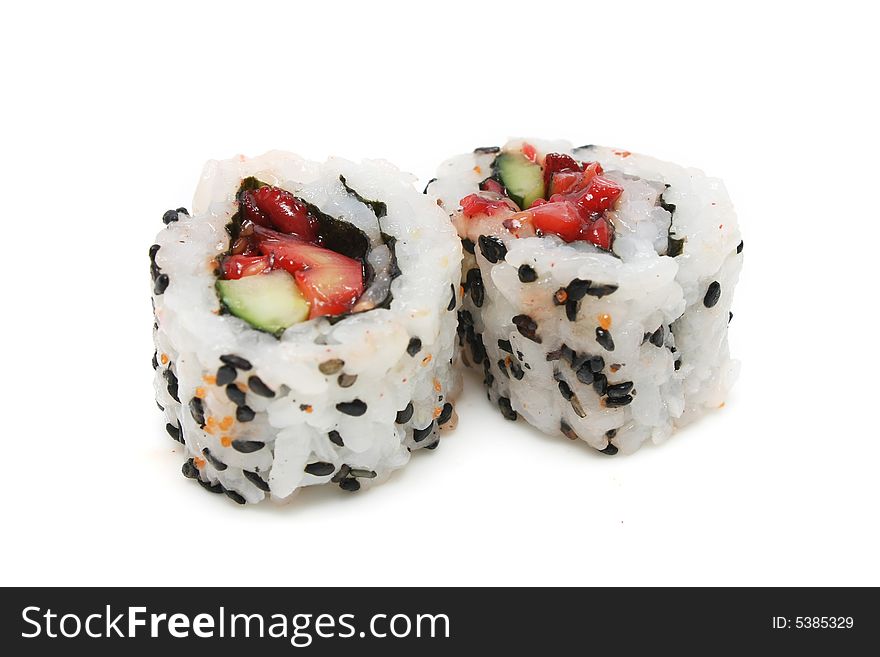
289,262
528,197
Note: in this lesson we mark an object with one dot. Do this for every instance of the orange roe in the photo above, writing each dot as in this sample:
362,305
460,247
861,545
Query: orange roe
605,321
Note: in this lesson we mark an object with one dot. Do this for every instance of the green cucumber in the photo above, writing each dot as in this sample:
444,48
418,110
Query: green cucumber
523,178
269,302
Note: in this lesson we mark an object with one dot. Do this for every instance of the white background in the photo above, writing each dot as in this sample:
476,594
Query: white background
108,115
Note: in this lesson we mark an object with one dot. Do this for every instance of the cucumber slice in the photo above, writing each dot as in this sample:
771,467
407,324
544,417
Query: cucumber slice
269,302
523,178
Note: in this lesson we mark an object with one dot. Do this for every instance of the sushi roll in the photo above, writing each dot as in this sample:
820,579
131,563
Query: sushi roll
305,319
598,287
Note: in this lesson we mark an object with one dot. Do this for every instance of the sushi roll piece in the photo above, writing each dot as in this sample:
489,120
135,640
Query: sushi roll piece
305,319
598,287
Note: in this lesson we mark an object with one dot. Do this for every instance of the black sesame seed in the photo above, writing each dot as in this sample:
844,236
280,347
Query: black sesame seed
213,460
577,360
468,245
257,386
161,284
237,362
161,408
445,414
405,415
225,374
169,217
244,414
571,309
657,337
577,407
474,285
577,289
487,150
197,409
713,293
729,317
519,355
183,211
739,247
173,431
600,384
355,407
171,380
556,354
211,488
189,470
600,291
604,339
236,396
677,365
420,434
674,247
614,402
452,301
350,485
153,251
526,274
618,390
256,480
432,180
516,370
478,349
235,497
527,327
609,449
341,474
363,473
247,446
502,366
585,374
331,366
568,354
505,345
155,361
567,431
492,248
506,409
320,468
414,346
346,380
335,438
565,391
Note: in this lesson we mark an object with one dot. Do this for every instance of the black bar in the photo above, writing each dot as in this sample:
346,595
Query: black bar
515,620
